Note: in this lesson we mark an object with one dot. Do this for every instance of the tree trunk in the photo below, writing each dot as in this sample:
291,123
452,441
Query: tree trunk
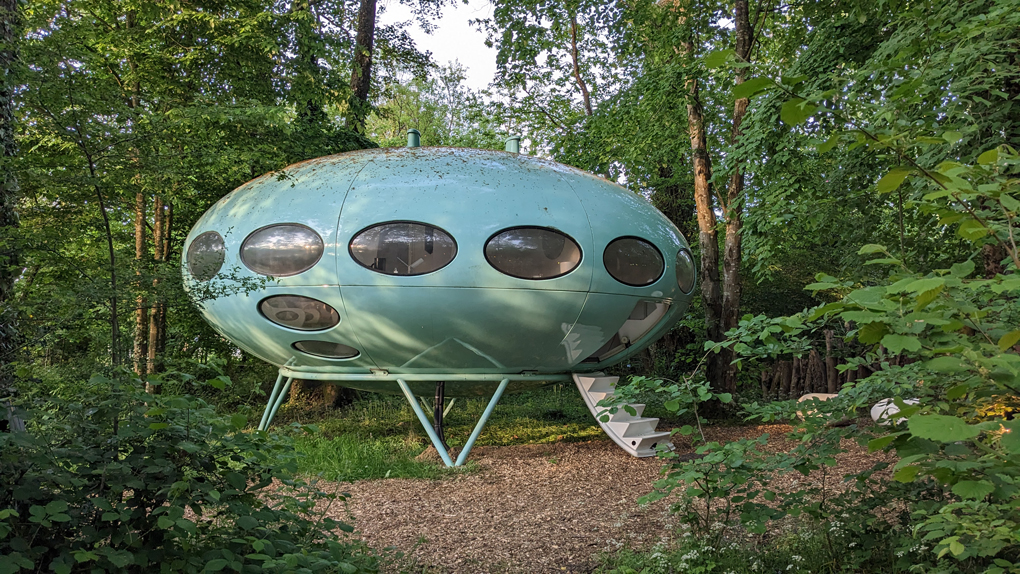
816,374
157,317
707,238
140,351
831,376
10,256
361,77
577,67
797,372
787,379
732,211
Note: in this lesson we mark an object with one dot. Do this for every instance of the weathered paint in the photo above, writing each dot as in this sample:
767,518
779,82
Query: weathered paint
466,317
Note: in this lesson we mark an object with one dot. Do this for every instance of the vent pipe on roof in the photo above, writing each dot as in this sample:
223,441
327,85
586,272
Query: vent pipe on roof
413,138
513,144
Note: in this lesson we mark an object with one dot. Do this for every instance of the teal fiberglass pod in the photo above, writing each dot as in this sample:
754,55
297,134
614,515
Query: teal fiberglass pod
454,264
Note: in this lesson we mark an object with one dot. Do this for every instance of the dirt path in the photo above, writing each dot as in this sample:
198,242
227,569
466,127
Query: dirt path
532,508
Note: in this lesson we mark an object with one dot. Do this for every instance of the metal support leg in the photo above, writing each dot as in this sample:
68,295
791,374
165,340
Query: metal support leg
481,422
437,413
271,401
425,422
446,411
276,406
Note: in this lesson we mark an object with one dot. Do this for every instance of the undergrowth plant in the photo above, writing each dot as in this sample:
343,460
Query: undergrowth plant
116,479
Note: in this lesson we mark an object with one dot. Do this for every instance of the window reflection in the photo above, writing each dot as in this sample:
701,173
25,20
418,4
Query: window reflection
403,248
685,273
533,253
633,261
301,313
327,349
205,256
282,250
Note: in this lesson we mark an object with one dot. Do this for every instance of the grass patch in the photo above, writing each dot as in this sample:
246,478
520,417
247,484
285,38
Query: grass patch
379,435
348,458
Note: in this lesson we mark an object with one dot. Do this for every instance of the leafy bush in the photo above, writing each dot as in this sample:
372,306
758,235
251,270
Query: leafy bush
953,501
116,479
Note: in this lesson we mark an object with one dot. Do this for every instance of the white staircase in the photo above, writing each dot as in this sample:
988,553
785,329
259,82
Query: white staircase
634,433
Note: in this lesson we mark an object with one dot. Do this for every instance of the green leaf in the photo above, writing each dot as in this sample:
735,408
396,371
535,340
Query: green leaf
1009,339
1010,439
973,489
872,333
962,270
871,248
989,157
947,365
972,229
828,144
956,548
238,421
796,111
718,58
906,474
672,405
883,261
215,565
1009,202
893,179
880,442
751,87
56,506
724,397
952,137
922,285
942,428
247,522
896,344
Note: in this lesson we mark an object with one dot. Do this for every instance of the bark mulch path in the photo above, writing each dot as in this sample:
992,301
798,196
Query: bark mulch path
531,508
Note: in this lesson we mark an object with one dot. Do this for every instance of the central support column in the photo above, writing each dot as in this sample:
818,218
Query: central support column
438,411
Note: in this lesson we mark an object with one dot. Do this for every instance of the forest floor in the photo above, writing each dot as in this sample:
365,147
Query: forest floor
537,508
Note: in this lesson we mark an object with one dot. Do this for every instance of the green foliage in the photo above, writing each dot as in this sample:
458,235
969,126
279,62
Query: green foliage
116,479
441,108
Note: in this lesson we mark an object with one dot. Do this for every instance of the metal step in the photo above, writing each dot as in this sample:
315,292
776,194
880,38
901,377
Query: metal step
635,434
598,384
633,427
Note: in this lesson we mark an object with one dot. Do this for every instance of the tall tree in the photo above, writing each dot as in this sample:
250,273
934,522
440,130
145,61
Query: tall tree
9,252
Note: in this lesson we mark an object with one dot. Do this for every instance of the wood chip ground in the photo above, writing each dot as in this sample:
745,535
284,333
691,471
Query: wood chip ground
533,508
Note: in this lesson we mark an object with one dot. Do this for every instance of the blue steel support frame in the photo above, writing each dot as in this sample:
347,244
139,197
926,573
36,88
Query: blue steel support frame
275,400
427,425
282,386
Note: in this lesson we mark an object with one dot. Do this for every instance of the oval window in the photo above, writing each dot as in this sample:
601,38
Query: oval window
281,250
403,248
326,349
297,312
633,261
685,273
532,253
205,256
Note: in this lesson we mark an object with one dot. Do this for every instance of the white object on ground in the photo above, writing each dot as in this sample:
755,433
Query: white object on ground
886,408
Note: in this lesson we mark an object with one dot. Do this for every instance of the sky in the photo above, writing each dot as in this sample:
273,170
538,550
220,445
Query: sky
454,39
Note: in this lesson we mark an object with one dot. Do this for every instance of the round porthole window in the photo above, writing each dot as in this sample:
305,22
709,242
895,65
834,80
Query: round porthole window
532,253
403,248
633,261
205,256
326,349
685,272
301,313
281,250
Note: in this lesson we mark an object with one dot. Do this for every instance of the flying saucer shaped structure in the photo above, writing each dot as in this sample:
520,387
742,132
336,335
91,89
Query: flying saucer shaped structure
389,269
